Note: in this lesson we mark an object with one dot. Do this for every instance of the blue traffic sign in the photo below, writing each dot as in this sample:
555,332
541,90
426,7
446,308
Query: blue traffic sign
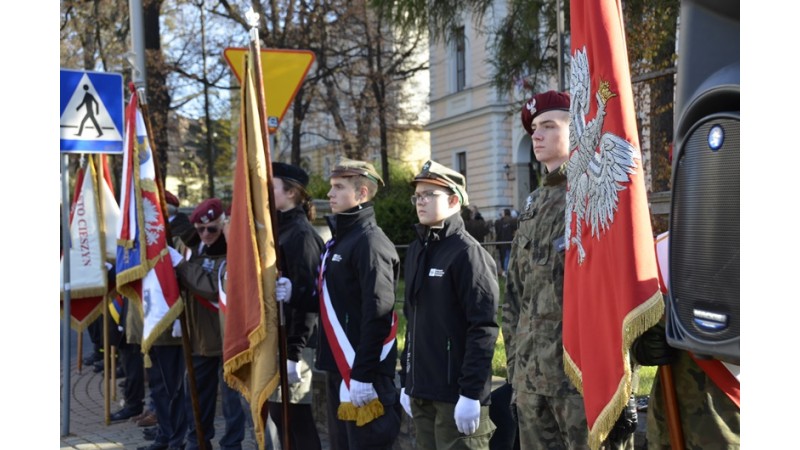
91,112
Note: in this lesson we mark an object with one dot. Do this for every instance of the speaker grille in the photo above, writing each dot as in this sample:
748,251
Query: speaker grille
704,233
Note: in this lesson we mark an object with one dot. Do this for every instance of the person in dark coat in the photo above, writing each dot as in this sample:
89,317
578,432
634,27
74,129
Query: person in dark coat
451,302
358,349
299,248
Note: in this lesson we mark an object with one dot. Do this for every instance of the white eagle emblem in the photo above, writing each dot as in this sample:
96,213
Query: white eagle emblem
594,178
153,227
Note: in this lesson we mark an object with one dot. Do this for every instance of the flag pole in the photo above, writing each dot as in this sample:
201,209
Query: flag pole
671,403
255,53
187,349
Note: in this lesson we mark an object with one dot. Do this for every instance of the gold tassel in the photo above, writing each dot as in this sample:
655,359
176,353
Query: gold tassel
369,412
346,411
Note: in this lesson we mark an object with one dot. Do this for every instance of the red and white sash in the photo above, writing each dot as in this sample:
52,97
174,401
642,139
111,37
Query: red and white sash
342,349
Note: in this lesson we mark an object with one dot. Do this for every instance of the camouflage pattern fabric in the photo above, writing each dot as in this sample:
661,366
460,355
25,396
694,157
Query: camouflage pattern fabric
551,412
542,422
532,312
710,420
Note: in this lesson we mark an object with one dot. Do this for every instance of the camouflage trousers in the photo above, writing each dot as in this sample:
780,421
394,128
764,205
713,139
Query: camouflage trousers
551,423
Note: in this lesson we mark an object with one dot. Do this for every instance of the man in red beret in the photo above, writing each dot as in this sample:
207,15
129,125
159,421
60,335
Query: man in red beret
549,408
198,275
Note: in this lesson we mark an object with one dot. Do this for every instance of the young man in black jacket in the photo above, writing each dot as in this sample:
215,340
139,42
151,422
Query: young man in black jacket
357,347
451,301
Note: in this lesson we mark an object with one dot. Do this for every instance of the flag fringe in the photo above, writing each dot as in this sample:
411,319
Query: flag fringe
263,396
636,322
95,291
163,324
80,325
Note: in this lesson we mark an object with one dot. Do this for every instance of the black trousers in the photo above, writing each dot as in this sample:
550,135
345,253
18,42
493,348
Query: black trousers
133,365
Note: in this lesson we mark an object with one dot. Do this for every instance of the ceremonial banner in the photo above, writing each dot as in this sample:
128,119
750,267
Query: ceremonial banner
87,270
611,291
109,208
144,267
250,347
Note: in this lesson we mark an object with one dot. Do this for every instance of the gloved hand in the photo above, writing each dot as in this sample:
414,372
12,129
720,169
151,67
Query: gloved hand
405,400
467,415
176,329
175,256
292,372
283,290
361,393
625,425
651,348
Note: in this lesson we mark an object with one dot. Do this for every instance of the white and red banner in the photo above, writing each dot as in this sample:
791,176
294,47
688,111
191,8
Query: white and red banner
144,267
87,271
611,290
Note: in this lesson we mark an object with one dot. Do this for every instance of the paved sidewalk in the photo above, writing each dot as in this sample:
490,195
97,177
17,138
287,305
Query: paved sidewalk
87,426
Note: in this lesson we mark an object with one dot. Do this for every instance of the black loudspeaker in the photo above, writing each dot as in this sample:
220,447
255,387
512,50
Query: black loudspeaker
703,300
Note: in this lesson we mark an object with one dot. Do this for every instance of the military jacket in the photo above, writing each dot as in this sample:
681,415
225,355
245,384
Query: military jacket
532,312
199,278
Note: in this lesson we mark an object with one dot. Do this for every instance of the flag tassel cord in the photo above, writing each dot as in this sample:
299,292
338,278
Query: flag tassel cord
187,350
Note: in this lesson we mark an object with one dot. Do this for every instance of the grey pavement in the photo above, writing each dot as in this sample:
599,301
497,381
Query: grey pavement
87,424
87,428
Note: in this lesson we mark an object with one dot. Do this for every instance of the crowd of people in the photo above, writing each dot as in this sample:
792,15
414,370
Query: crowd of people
339,304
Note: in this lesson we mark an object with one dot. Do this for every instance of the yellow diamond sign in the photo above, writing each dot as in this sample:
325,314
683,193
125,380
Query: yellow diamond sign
283,71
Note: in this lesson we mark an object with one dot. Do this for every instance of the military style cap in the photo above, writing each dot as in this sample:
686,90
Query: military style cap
172,199
290,172
350,168
435,173
539,103
207,211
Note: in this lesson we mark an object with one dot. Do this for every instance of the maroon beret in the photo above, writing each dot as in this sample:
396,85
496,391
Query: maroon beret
207,211
539,103
172,199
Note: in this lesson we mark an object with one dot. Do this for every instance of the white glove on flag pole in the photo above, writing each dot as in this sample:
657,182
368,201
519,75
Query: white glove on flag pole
283,290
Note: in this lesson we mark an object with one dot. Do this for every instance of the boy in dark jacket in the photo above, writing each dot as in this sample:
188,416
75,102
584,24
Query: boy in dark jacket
357,347
451,300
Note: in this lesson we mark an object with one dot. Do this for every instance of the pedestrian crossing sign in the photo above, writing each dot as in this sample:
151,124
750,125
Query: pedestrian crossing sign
91,112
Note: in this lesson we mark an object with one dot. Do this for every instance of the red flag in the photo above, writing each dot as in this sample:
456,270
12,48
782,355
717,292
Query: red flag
250,344
144,267
611,290
87,270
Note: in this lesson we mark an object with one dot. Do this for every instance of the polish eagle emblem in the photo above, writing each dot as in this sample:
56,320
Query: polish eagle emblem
600,163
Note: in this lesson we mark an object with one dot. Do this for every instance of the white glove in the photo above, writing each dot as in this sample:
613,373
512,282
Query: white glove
175,256
292,372
467,415
361,393
176,329
283,290
405,400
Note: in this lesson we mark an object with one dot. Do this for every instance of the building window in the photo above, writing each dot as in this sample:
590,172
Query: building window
461,163
461,55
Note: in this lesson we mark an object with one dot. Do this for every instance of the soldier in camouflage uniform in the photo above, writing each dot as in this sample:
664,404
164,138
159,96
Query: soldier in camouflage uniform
550,410
709,419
